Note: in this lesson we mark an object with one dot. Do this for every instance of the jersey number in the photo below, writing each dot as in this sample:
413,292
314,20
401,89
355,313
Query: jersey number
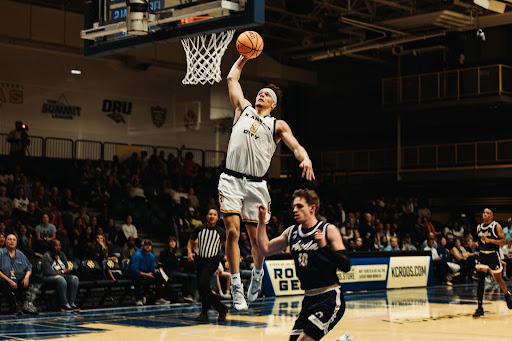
303,259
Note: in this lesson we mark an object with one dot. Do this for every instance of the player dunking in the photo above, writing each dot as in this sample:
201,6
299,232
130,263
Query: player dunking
316,248
252,144
491,238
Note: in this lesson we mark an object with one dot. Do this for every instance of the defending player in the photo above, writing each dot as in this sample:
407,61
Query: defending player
317,251
491,238
252,144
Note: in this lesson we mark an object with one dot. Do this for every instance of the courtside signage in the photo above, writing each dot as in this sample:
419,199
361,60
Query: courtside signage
407,272
281,278
364,273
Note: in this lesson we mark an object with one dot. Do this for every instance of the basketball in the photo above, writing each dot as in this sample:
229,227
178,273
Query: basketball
249,44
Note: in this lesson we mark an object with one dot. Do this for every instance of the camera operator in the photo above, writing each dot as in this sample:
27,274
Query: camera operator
18,138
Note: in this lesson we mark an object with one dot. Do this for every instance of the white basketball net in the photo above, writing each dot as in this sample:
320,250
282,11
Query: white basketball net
204,55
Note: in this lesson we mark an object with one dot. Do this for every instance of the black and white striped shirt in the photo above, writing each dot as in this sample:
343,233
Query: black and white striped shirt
210,239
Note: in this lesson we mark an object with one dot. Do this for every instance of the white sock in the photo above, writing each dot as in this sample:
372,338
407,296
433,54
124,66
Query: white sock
258,272
235,279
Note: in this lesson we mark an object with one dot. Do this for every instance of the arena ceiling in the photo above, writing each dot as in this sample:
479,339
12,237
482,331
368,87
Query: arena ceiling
298,31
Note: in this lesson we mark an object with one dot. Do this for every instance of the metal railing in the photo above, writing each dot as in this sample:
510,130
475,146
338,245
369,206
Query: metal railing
447,85
472,155
60,148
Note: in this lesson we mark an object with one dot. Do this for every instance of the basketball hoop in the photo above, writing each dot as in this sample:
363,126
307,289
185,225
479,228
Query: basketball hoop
204,56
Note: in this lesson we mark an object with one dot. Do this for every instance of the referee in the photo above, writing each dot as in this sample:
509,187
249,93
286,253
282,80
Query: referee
210,237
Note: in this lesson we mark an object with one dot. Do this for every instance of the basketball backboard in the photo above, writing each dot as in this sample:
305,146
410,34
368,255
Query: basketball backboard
107,29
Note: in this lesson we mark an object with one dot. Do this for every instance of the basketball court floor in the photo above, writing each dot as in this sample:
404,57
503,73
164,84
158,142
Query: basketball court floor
436,313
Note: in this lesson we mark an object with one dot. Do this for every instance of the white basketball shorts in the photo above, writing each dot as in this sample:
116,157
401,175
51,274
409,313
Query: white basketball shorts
240,196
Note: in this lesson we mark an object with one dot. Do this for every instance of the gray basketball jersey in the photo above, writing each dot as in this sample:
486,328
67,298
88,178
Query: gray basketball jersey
251,144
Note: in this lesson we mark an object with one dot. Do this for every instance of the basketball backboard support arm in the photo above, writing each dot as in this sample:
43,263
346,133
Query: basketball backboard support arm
243,14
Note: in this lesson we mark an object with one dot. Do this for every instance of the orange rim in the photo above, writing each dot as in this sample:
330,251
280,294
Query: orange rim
192,19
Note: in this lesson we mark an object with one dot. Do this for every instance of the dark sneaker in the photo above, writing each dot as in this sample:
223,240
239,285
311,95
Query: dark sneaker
479,312
222,314
509,300
75,307
66,308
202,318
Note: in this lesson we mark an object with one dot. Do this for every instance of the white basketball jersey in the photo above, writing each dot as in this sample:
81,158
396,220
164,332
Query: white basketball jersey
252,144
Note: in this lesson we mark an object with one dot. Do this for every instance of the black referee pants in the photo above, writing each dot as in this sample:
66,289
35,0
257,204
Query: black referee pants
206,267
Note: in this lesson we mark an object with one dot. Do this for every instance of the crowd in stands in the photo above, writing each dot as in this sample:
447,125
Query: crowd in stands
98,210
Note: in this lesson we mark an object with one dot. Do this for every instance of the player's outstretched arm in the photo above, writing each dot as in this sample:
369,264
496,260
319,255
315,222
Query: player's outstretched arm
236,94
266,247
284,131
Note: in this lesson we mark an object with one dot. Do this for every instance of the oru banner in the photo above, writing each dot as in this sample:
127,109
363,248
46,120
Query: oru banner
366,274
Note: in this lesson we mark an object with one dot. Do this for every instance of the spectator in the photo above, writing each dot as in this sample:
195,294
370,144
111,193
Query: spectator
2,240
348,232
169,262
129,248
55,198
99,252
45,232
94,225
360,245
507,256
193,199
18,138
20,202
85,242
430,235
128,229
142,269
56,218
408,245
507,230
245,248
82,213
41,199
57,274
26,240
440,266
31,217
367,231
445,255
15,271
6,204
463,258
393,245
381,243
196,220
69,204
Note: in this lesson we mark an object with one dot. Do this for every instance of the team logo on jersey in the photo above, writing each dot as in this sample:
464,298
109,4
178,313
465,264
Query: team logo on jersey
309,246
319,314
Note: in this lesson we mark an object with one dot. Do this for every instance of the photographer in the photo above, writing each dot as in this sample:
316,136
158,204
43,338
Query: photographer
18,138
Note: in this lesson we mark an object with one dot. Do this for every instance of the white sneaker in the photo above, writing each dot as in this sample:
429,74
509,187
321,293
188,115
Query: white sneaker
237,291
225,296
255,286
345,337
139,302
162,301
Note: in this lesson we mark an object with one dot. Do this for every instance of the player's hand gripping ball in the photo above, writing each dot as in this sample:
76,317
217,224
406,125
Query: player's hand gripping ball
249,44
